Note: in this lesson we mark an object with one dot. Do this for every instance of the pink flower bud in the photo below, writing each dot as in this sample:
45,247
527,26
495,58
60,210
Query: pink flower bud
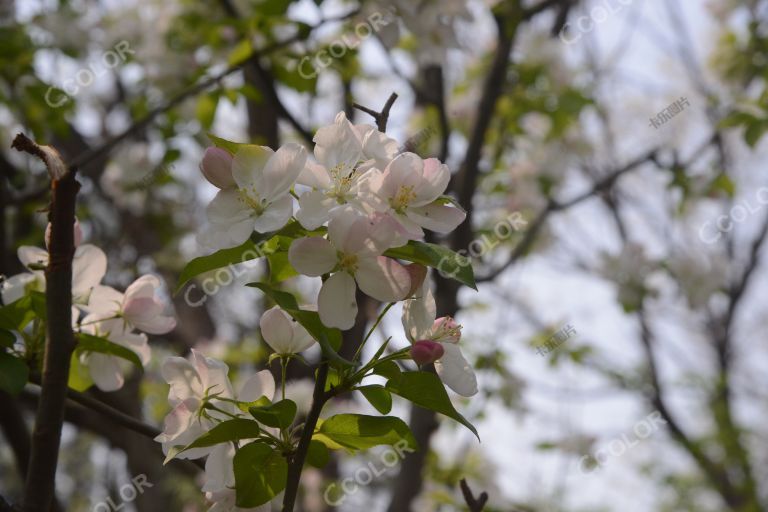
426,352
216,166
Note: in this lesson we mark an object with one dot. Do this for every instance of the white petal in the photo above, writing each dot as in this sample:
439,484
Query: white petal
145,286
227,207
455,371
435,180
283,169
440,218
336,301
258,385
105,372
213,375
312,256
105,301
16,287
248,165
29,255
338,145
315,209
88,269
383,278
405,170
275,216
277,330
183,378
419,314
315,176
219,473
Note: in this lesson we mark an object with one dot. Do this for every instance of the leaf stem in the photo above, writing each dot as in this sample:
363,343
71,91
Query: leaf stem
373,328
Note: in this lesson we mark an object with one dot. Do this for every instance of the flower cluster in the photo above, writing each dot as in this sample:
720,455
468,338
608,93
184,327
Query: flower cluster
371,198
99,311
202,396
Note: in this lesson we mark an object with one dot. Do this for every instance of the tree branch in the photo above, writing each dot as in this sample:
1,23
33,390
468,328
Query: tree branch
474,504
40,485
382,117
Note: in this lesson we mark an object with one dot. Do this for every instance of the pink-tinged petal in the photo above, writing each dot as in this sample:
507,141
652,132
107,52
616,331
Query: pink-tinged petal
350,232
106,372
456,372
426,352
315,209
338,145
227,207
104,301
145,286
302,340
147,315
419,314
277,330
216,166
29,255
336,301
418,275
248,166
410,229
315,176
214,375
183,378
376,144
383,278
404,171
282,170
435,180
219,473
258,385
275,216
446,330
88,269
312,256
177,421
437,217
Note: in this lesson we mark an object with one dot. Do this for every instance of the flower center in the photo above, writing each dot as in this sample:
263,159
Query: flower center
342,183
348,262
252,200
402,199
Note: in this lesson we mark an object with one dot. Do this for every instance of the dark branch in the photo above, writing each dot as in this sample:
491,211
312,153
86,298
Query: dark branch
474,504
382,117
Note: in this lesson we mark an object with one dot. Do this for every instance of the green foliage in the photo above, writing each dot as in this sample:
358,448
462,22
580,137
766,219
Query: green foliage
426,390
89,343
278,415
225,432
432,255
13,373
378,397
360,432
261,473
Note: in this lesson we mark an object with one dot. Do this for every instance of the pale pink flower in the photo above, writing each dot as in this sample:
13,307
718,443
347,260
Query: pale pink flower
216,167
284,334
139,306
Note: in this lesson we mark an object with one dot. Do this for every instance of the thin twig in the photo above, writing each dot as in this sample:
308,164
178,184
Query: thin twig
382,117
474,504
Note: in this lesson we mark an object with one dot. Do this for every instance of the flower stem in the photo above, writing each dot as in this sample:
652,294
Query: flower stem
373,328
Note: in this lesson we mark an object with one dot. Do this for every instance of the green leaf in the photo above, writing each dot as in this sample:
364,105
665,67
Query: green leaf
232,147
16,315
278,415
378,396
261,474
280,268
388,369
425,389
274,7
205,111
89,343
225,432
7,338
241,53
13,373
447,262
79,375
317,454
328,338
251,249
360,432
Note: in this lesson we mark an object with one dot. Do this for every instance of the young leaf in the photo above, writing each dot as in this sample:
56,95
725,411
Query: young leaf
89,343
378,397
79,376
387,369
360,432
425,389
226,431
261,474
446,261
278,415
16,315
13,373
232,147
317,454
